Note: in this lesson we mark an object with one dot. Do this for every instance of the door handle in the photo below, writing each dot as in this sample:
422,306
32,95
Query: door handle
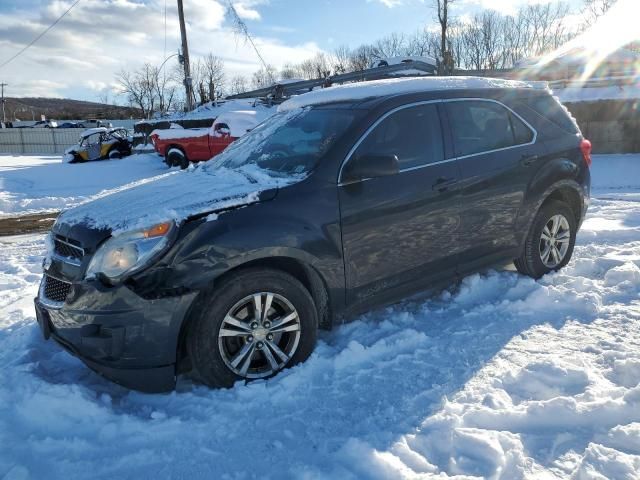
443,183
528,160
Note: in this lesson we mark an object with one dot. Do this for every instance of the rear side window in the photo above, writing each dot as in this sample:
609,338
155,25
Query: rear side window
550,108
413,134
480,126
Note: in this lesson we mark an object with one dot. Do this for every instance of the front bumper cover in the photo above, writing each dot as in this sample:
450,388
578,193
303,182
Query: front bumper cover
125,338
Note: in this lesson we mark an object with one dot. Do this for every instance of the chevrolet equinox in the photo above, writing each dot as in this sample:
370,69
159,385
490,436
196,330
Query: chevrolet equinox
348,198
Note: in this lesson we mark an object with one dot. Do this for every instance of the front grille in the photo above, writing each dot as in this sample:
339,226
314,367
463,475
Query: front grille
55,290
66,248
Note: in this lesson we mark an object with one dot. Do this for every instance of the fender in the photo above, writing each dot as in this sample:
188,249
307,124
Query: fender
558,174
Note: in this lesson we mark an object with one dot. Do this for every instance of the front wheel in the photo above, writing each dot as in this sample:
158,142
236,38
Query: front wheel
256,324
550,242
177,158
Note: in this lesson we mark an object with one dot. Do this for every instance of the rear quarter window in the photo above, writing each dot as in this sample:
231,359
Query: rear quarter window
550,108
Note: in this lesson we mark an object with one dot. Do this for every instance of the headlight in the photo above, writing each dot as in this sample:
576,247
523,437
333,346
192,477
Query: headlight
130,252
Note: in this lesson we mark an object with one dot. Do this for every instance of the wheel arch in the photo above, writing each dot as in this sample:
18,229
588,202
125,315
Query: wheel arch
299,269
567,191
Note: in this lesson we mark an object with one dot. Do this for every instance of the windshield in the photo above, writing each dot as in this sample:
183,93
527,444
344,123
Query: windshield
288,143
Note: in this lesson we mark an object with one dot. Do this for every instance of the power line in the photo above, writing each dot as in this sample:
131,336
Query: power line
41,34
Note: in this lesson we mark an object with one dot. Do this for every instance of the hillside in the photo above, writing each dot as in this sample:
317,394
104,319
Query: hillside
64,109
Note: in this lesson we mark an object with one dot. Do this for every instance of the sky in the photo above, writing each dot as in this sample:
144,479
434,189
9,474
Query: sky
80,57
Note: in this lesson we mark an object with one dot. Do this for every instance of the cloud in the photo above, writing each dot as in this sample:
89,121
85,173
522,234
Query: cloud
388,3
101,37
246,9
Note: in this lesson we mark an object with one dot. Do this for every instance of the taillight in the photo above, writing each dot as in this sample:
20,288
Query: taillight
585,146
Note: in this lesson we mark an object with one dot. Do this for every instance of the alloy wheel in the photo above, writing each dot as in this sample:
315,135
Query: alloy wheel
259,335
554,241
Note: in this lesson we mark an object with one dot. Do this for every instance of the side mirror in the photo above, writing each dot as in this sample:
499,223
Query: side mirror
370,166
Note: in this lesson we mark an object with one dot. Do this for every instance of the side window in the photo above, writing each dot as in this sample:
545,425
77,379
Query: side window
413,134
480,126
521,132
550,108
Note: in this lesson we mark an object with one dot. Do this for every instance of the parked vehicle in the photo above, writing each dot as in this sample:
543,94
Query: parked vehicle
45,124
71,125
99,144
93,123
349,198
180,146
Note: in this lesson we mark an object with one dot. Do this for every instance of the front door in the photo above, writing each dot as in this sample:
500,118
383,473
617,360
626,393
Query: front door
400,231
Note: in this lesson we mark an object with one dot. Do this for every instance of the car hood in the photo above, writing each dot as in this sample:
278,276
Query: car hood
176,195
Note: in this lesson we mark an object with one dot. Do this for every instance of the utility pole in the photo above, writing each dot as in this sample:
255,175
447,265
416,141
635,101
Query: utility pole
4,116
185,59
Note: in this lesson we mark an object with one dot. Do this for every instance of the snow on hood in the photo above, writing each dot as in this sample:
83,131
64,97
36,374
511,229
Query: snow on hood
176,195
394,86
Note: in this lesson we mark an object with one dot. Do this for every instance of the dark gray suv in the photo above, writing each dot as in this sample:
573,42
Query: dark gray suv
348,198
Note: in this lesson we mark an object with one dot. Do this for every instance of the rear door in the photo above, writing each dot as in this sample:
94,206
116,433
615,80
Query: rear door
400,231
496,151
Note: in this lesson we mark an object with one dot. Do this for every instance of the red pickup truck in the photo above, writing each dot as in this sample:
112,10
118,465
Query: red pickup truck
180,146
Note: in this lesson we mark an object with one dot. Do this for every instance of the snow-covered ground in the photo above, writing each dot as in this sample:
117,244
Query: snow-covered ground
30,184
498,377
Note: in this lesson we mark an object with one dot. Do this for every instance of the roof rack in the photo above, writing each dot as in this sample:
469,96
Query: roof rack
280,91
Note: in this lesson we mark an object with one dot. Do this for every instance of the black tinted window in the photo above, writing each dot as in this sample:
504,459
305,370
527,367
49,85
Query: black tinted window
480,126
413,134
551,109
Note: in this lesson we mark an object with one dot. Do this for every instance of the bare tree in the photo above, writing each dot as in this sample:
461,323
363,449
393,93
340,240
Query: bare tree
213,73
147,89
340,59
594,9
263,77
361,58
442,7
238,85
393,45
289,71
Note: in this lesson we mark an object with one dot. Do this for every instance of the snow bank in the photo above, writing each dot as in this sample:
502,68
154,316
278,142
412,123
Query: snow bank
36,184
394,86
501,377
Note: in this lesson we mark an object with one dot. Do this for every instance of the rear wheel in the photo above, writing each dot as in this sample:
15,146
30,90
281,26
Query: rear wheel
257,323
177,158
550,242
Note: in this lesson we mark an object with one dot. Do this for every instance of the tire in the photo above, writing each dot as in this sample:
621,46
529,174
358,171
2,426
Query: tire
532,262
177,158
213,343
115,154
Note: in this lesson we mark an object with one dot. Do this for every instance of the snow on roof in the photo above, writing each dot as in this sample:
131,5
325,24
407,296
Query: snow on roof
240,122
394,86
406,59
91,131
213,109
175,133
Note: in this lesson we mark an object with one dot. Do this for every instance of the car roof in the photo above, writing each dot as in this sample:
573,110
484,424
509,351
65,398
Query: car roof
380,89
91,131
